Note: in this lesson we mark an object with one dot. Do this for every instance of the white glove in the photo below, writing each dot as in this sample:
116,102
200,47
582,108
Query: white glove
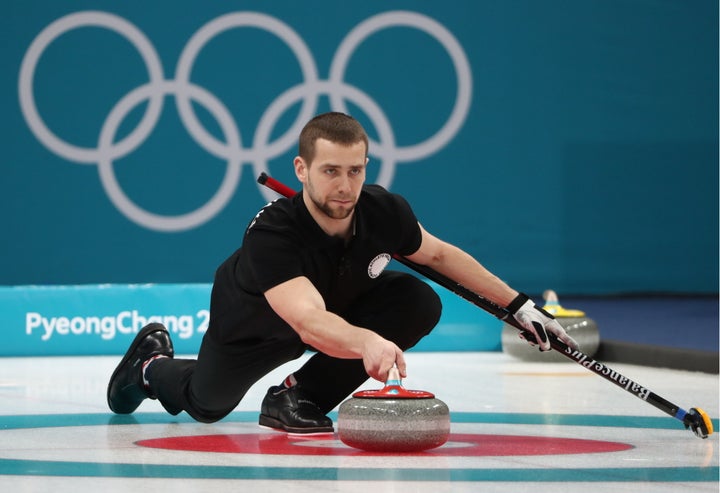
538,323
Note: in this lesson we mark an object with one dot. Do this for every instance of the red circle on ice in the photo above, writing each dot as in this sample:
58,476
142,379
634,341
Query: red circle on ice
458,444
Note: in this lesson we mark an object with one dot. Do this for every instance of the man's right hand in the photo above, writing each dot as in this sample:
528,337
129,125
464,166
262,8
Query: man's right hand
380,355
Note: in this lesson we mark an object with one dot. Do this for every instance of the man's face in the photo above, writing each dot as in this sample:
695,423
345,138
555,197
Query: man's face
335,177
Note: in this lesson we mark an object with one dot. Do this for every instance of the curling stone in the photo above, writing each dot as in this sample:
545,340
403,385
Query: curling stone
578,326
393,419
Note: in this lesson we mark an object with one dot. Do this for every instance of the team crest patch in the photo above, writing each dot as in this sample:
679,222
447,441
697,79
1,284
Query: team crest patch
378,264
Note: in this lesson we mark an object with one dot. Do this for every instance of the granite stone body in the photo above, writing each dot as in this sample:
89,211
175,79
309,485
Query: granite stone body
393,419
393,424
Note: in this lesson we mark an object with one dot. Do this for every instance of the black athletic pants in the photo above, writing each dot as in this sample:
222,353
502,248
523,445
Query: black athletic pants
402,309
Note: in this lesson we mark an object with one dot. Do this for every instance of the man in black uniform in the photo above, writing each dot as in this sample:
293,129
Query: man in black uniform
311,275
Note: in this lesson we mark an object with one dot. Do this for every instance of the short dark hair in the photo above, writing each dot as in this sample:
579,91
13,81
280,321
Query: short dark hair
333,126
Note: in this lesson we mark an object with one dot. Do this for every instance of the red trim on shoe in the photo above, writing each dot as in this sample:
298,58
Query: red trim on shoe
145,365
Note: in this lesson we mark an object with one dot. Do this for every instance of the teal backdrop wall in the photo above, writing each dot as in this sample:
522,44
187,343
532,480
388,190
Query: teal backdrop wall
566,144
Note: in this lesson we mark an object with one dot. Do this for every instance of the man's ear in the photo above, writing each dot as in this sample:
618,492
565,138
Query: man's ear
300,169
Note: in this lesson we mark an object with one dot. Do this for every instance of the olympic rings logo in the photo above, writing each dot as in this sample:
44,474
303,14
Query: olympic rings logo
231,149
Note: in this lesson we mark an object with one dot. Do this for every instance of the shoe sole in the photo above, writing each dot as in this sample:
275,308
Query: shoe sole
144,332
275,424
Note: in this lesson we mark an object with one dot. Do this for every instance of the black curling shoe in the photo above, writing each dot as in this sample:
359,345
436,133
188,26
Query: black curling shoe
291,411
126,390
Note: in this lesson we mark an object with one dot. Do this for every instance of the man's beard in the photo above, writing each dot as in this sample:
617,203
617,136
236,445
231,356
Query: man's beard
337,213
324,207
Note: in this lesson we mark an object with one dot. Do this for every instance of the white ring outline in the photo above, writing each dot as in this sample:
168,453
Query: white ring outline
27,74
430,26
122,201
235,20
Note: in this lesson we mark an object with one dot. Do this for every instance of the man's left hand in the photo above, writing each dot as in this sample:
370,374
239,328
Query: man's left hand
539,323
